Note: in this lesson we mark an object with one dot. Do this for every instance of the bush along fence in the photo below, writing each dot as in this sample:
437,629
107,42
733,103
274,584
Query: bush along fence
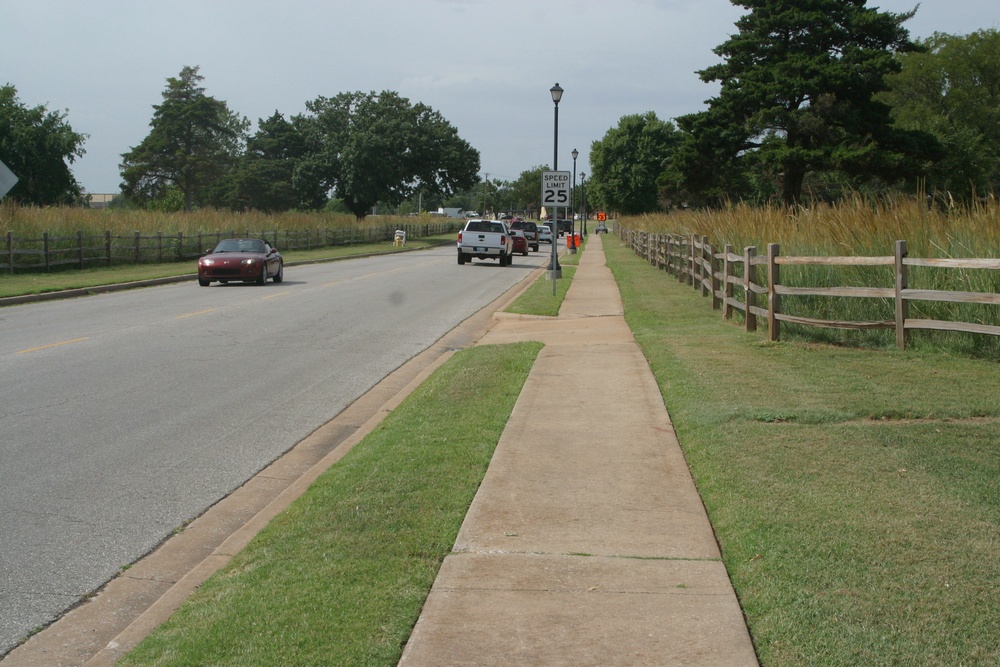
81,250
735,282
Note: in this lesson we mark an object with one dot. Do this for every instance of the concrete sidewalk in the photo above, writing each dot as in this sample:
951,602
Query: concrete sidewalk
587,543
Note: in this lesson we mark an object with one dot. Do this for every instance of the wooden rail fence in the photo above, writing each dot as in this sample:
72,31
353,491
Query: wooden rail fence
722,272
81,250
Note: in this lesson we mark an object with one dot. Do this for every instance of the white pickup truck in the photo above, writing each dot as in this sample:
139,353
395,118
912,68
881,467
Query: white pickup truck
485,239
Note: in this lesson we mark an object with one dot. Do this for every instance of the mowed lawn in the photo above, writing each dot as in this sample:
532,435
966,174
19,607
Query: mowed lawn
854,492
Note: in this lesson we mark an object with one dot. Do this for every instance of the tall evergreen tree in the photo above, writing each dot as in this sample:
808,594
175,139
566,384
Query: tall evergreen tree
194,144
798,87
266,176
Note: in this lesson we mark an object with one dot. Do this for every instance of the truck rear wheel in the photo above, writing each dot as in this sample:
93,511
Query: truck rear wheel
461,257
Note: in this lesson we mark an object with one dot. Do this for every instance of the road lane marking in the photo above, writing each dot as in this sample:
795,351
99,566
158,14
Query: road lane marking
45,347
200,312
271,296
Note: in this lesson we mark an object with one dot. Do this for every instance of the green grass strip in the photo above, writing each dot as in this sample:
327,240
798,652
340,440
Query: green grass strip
36,282
340,577
855,493
538,298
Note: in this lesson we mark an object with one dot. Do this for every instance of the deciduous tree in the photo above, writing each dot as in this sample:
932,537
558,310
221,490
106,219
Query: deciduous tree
952,90
627,162
368,148
38,145
526,191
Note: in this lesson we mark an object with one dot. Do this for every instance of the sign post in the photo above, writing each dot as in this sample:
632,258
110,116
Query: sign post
555,194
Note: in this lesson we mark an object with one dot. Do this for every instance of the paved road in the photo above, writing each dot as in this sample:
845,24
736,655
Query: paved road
124,415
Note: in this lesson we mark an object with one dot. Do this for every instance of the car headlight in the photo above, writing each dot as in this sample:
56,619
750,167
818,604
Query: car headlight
249,262
206,262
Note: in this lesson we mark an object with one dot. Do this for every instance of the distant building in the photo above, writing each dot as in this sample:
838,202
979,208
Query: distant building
99,201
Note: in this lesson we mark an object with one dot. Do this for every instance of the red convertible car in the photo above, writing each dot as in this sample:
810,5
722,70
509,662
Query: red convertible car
245,260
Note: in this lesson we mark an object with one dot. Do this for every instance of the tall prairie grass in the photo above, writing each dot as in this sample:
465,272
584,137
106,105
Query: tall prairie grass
862,228
67,238
58,221
852,227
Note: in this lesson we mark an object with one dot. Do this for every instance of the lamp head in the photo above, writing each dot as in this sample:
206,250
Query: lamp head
556,93
575,154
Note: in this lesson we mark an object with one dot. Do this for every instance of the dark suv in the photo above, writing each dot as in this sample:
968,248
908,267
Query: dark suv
563,226
530,231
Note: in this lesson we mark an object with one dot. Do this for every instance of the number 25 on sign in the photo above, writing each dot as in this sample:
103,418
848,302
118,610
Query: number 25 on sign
555,188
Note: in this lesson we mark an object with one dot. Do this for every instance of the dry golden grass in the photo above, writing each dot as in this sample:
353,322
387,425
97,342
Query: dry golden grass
65,221
860,228
851,227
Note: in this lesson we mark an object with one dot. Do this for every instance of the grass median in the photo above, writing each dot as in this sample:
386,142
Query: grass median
538,298
340,577
20,284
854,492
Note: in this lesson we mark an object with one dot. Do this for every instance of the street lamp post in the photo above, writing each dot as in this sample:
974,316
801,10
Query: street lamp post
572,207
583,193
555,271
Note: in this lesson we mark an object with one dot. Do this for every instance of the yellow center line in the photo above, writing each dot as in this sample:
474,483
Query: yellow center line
271,296
200,312
335,282
45,347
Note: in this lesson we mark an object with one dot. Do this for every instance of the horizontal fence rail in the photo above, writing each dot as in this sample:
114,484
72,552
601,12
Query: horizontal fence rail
734,282
83,251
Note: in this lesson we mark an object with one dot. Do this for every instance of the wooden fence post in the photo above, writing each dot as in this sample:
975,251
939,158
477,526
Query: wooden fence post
727,285
682,261
692,269
138,246
902,305
10,251
707,262
79,248
749,295
773,298
45,249
107,245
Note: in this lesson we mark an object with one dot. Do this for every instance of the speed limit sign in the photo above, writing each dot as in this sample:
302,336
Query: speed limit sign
555,189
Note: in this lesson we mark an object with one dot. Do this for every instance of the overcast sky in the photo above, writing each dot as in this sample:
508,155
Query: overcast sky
485,65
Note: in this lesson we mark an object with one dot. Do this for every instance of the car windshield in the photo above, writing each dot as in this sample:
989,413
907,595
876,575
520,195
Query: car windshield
240,245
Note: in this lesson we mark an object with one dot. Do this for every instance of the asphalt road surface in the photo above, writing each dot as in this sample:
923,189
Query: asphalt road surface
125,415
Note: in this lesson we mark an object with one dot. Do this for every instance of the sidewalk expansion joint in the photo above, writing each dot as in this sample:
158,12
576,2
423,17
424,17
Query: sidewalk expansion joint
517,552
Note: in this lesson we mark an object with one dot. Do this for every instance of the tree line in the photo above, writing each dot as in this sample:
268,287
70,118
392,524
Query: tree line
817,99
360,148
